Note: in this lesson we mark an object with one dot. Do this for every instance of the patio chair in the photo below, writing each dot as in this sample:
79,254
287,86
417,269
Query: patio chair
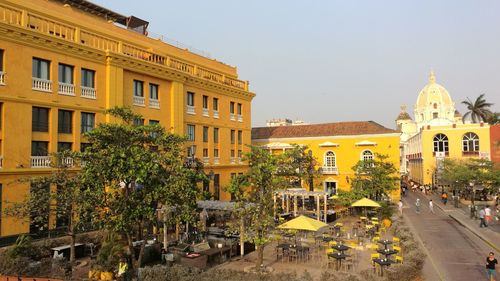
293,254
280,253
332,243
376,238
399,259
372,257
398,249
372,246
348,264
396,239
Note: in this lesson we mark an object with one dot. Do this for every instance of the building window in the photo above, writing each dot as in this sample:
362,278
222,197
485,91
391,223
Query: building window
1,60
470,142
216,186
367,155
232,153
205,102
139,122
138,88
41,69
435,115
88,122
240,137
65,122
65,73
240,153
154,122
330,159
233,132
440,142
191,132
238,109
216,152
190,98
88,78
215,105
64,146
231,107
40,119
39,148
205,134
153,91
216,135
205,152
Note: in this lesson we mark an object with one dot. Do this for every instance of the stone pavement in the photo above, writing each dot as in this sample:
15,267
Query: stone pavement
490,234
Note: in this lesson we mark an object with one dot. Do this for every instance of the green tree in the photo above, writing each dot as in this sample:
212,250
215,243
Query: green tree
494,118
134,169
254,193
298,166
59,195
375,178
479,110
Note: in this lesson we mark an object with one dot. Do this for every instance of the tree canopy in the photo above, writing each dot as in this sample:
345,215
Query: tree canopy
478,110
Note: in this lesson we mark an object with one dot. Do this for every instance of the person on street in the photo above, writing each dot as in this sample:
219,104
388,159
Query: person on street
487,215
400,207
431,206
482,214
490,266
444,197
417,205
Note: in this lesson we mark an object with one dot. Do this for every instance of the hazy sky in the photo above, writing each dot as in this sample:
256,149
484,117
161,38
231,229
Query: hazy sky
329,61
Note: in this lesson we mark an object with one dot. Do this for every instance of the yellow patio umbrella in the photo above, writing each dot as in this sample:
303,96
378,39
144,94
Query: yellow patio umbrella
303,223
365,202
334,197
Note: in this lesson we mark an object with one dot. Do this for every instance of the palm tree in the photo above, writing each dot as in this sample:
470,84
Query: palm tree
494,118
478,110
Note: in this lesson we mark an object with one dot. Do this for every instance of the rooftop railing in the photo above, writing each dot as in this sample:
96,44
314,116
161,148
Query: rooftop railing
67,32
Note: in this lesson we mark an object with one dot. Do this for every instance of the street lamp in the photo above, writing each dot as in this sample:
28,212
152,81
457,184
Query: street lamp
310,172
472,207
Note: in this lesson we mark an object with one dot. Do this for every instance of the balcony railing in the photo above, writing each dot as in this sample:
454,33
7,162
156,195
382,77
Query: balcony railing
239,159
240,118
205,160
41,85
88,93
232,116
216,160
328,170
154,103
2,78
68,162
1,162
470,153
40,161
67,32
139,101
216,114
205,112
232,160
190,109
66,89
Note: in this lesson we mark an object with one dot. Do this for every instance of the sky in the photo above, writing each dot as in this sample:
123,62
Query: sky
338,60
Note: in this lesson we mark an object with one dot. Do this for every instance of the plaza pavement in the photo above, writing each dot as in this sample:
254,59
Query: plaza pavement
451,241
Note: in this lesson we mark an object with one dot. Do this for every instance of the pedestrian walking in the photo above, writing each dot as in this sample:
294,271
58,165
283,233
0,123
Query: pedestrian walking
400,207
491,262
487,215
417,205
444,197
482,214
431,207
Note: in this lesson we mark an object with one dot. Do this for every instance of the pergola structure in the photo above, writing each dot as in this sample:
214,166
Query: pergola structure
294,194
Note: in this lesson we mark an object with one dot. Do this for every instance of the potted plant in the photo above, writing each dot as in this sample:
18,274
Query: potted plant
107,258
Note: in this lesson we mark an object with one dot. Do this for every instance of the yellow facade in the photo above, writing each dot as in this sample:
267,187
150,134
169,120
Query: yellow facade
347,150
424,153
65,36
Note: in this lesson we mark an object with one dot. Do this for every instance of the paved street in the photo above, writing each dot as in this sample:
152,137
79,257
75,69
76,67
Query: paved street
454,252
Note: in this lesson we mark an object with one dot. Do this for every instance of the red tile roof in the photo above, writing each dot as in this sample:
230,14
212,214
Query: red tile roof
318,130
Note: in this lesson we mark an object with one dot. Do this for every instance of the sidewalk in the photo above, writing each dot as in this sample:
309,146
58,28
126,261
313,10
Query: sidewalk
490,234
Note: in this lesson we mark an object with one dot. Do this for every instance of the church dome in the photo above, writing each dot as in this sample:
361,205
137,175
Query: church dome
433,94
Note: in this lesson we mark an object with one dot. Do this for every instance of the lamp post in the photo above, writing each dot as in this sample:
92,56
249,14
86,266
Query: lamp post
472,207
310,172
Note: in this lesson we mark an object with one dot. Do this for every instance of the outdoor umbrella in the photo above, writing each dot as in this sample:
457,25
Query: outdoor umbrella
365,202
303,223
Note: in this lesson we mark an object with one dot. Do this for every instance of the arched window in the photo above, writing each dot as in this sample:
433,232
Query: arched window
367,155
440,143
435,106
470,142
330,160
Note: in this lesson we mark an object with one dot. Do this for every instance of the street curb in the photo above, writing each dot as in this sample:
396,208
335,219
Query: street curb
475,233
491,244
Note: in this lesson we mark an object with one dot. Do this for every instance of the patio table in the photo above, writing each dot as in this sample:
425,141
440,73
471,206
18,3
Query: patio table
382,263
385,242
341,248
338,257
387,252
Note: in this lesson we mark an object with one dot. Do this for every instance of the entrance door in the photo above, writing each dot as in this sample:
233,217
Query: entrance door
331,188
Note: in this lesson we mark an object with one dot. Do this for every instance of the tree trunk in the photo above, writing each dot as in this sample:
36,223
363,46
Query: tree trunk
131,250
177,229
141,237
260,256
72,239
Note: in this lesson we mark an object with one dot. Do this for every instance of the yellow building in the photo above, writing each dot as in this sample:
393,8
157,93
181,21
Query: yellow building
438,132
62,63
336,146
